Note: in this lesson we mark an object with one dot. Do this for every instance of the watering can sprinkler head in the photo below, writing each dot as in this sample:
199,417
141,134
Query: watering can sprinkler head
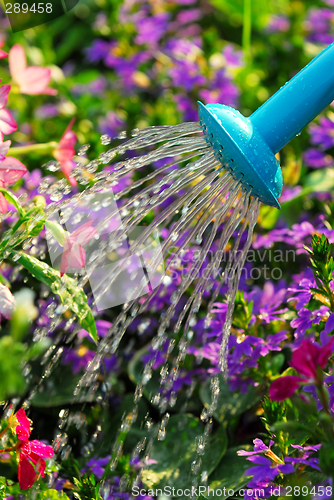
247,146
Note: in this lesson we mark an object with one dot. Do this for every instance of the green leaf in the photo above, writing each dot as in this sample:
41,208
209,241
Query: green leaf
12,354
59,389
230,473
268,216
57,231
70,294
135,371
110,423
319,181
230,403
176,453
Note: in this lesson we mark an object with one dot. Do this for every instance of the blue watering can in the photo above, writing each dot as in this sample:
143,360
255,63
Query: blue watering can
247,146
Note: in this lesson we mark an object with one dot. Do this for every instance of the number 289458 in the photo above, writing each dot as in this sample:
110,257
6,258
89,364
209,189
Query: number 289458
38,8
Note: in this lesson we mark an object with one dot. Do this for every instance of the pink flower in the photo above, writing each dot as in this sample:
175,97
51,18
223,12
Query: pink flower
3,54
7,122
284,387
308,360
308,357
65,151
7,302
11,170
31,80
31,454
74,254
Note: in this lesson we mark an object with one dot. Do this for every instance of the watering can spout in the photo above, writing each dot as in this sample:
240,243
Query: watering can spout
298,102
247,146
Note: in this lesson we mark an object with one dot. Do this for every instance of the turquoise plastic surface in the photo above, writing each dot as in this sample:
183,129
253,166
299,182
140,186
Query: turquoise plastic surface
247,146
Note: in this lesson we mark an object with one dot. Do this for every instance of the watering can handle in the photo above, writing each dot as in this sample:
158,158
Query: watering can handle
298,102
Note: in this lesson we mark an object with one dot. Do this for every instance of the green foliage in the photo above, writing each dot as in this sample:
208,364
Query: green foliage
9,488
230,403
66,288
322,265
176,453
230,473
12,381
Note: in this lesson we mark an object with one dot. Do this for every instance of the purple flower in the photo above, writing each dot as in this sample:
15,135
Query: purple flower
318,24
96,466
126,67
188,16
322,134
303,293
46,111
304,458
187,107
317,159
278,24
289,193
233,56
259,447
181,48
222,90
186,74
265,470
111,124
151,29
268,301
306,319
98,50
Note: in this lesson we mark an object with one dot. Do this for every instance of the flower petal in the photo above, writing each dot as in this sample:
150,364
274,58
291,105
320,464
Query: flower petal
3,54
325,353
260,460
304,359
23,429
34,80
63,262
283,387
66,167
41,449
4,91
7,302
27,472
4,147
83,234
77,257
7,122
17,62
11,170
3,204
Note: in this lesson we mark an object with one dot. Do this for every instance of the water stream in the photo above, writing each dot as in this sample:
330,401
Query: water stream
187,199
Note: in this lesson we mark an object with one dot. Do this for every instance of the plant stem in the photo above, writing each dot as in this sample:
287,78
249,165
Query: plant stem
3,432
247,30
46,148
4,450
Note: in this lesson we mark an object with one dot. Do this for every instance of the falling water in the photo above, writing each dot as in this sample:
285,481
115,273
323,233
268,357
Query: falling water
209,209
